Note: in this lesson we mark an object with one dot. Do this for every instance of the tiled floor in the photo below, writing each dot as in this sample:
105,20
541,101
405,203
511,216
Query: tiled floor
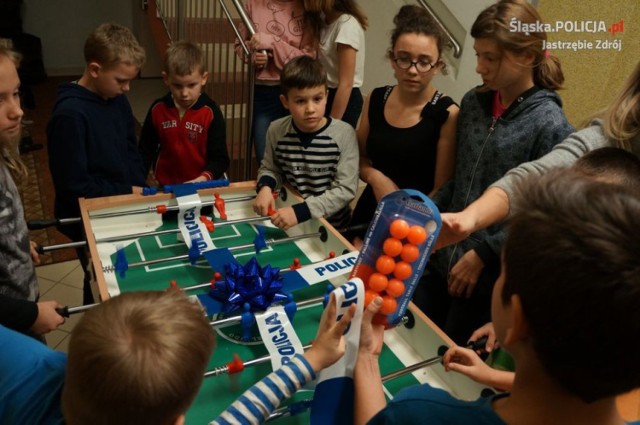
61,282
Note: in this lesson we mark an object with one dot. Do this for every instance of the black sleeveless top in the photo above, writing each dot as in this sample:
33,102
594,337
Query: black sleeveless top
405,155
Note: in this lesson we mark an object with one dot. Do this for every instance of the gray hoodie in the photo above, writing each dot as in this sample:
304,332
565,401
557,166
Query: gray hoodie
487,149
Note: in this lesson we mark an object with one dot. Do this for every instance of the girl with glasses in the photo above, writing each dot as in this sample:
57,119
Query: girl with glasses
407,131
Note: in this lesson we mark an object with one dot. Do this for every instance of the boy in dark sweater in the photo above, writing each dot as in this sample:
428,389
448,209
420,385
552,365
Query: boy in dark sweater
92,144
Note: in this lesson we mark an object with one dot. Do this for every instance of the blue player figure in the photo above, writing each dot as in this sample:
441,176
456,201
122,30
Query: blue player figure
247,321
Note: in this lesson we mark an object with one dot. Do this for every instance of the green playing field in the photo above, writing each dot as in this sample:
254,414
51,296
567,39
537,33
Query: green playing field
219,392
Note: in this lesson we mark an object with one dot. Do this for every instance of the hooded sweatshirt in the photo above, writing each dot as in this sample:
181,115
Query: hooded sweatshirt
92,148
488,148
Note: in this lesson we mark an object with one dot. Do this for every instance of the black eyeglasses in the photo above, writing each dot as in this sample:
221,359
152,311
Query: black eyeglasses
421,66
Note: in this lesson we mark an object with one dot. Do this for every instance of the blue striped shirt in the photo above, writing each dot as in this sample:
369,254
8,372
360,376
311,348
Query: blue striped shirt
257,403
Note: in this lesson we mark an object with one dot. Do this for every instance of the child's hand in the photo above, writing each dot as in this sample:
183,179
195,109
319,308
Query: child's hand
33,250
371,334
198,179
48,318
285,218
329,344
456,227
464,274
264,202
260,59
467,362
488,331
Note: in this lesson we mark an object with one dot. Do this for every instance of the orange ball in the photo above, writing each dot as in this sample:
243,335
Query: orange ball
389,305
395,288
399,228
392,247
378,282
417,235
402,270
385,264
369,296
410,253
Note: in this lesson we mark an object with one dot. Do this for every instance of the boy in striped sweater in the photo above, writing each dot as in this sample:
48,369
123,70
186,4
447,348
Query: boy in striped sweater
316,155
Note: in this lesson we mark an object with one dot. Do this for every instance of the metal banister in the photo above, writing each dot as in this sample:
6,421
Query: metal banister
244,17
457,49
250,28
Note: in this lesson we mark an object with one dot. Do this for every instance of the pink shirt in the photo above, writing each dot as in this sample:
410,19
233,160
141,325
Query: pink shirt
280,24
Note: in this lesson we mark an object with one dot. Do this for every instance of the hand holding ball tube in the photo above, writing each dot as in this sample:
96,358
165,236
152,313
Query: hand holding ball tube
396,247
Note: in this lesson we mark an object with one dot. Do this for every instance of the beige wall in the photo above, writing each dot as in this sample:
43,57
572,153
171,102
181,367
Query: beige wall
592,77
63,26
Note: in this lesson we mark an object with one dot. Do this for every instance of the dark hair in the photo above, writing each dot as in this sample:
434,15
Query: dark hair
611,165
572,257
349,7
302,72
495,23
412,19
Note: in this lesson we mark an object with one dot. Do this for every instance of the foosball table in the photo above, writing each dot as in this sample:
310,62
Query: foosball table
143,230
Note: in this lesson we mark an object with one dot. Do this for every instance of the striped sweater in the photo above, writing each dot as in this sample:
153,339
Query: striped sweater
257,403
321,166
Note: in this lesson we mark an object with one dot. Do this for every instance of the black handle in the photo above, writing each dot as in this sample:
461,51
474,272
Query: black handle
478,344
42,224
473,345
63,311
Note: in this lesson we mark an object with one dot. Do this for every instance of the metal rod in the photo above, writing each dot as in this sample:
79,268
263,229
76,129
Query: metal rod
283,412
207,284
168,208
411,368
269,242
163,18
223,370
236,318
243,15
278,241
43,249
305,404
67,311
233,26
169,231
